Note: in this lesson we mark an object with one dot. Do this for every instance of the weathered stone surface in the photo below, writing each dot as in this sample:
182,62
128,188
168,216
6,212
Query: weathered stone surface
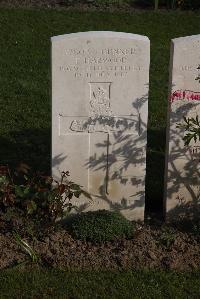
182,182
100,84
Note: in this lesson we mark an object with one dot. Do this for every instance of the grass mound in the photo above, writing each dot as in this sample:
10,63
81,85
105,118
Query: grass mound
100,226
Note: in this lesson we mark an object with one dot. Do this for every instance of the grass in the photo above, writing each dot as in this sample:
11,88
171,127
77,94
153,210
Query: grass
25,79
43,283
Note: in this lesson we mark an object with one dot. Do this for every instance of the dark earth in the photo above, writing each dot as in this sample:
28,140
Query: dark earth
150,247
69,4
33,3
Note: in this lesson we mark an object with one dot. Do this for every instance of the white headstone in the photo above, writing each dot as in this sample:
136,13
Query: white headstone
100,84
182,177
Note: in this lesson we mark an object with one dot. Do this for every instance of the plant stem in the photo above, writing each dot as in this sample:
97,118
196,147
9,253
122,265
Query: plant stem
173,4
156,4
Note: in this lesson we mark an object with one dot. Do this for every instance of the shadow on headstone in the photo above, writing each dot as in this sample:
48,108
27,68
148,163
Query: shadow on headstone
187,178
182,176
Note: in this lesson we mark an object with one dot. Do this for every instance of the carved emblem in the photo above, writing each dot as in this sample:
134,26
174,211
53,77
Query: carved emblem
101,118
100,103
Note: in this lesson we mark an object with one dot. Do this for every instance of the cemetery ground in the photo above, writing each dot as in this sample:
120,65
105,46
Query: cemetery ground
171,254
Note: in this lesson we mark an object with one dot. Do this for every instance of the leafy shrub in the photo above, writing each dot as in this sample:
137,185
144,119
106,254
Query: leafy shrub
100,226
33,200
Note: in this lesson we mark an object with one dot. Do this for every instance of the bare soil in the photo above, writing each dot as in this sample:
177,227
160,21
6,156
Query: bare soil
150,247
31,3
64,4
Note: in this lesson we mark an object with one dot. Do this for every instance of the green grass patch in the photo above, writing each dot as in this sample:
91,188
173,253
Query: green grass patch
44,283
100,226
25,79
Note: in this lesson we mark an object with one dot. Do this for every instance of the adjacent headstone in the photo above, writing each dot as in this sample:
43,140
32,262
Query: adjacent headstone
100,84
182,180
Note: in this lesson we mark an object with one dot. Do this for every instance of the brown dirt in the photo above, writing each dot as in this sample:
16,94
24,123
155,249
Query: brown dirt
150,247
31,3
62,4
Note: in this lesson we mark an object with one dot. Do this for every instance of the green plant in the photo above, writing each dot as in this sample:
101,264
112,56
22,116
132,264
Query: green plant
191,125
34,198
156,2
167,237
27,248
100,226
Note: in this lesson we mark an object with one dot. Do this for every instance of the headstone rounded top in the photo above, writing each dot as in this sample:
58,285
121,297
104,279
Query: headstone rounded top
101,34
186,38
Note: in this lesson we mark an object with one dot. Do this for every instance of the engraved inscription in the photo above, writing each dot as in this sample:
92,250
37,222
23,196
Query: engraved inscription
187,67
106,51
106,124
106,62
101,118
